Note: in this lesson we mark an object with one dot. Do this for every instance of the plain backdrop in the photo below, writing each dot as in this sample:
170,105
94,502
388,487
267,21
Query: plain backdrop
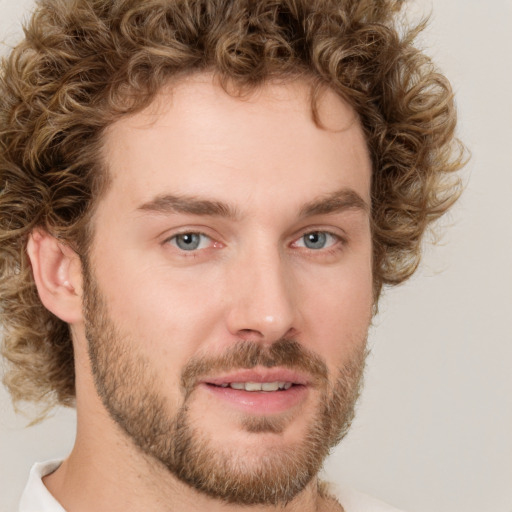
434,425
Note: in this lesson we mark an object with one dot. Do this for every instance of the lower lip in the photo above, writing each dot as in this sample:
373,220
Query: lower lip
260,402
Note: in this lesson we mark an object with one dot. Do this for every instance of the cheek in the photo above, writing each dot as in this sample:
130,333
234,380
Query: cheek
168,313
338,313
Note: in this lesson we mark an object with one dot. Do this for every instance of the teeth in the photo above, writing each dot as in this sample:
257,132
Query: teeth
259,386
253,386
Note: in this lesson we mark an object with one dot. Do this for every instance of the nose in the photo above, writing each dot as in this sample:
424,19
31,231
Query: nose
262,300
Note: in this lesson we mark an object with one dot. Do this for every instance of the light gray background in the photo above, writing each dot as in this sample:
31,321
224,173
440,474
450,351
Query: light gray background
434,426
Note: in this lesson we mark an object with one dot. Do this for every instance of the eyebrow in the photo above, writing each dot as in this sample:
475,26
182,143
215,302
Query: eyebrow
189,204
336,202
339,201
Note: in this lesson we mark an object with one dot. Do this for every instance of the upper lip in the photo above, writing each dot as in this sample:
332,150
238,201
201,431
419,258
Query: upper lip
259,375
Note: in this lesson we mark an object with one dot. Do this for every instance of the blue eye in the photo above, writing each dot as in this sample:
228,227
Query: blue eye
189,241
315,240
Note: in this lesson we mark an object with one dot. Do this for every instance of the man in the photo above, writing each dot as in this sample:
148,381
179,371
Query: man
201,202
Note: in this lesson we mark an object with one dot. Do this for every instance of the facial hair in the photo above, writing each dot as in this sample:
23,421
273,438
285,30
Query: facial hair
126,384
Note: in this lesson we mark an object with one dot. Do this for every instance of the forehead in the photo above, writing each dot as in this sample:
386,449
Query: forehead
196,139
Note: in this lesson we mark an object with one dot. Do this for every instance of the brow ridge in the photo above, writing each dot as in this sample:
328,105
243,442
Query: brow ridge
168,203
338,201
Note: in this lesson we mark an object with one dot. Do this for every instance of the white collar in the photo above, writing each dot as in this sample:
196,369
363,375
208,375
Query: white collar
36,497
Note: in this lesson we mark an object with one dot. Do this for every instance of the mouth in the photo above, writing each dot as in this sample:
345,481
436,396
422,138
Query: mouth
268,387
259,391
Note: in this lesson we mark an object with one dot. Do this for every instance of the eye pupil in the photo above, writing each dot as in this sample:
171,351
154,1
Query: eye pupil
188,241
315,240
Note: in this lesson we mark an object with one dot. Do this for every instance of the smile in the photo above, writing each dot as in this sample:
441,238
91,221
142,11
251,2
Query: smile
259,391
258,386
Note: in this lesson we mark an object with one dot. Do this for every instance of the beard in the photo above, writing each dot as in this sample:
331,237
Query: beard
125,381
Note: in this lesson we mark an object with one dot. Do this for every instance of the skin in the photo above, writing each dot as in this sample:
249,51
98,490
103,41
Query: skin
252,278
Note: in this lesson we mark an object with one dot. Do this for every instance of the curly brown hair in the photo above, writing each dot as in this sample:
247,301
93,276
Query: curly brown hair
85,63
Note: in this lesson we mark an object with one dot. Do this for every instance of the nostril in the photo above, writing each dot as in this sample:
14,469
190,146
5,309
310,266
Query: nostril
250,335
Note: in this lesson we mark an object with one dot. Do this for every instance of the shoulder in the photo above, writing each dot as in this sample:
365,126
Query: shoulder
36,497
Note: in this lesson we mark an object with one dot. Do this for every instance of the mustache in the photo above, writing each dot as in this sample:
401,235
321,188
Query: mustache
285,352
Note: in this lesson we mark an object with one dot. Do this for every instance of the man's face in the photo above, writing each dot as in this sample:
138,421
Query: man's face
228,291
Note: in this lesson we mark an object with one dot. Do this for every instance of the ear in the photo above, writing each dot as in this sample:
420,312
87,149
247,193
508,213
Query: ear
58,275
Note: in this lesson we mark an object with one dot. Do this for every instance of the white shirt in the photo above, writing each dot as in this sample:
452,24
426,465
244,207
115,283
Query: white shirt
37,498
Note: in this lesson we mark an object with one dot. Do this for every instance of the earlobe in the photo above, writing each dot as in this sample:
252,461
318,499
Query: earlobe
57,274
